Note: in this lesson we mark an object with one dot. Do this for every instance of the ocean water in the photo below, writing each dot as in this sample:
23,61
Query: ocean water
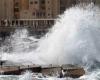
74,39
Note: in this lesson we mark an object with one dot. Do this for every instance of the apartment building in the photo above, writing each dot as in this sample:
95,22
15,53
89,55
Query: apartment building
6,9
41,9
32,9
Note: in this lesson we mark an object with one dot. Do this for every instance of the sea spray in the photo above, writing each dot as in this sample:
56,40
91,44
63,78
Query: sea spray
74,39
26,76
19,42
95,75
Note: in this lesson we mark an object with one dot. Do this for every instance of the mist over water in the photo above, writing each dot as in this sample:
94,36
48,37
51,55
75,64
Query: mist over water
74,39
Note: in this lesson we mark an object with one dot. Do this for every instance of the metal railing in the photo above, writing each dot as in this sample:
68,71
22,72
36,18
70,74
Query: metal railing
35,23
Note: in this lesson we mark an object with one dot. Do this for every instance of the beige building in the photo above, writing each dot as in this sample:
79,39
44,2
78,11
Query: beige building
20,6
24,4
52,8
30,9
6,9
41,9
17,8
55,8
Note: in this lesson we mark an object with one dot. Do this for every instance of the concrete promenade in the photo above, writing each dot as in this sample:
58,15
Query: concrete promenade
10,68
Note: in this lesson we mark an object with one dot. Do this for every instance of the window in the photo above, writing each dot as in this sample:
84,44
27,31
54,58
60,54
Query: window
37,14
49,14
31,2
16,9
48,2
40,14
33,13
35,2
43,7
21,22
17,4
43,1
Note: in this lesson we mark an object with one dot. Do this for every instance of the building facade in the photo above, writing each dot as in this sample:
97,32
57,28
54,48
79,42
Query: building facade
32,9
41,9
6,9
17,7
20,6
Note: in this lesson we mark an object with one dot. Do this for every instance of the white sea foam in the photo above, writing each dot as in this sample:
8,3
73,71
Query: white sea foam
74,39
